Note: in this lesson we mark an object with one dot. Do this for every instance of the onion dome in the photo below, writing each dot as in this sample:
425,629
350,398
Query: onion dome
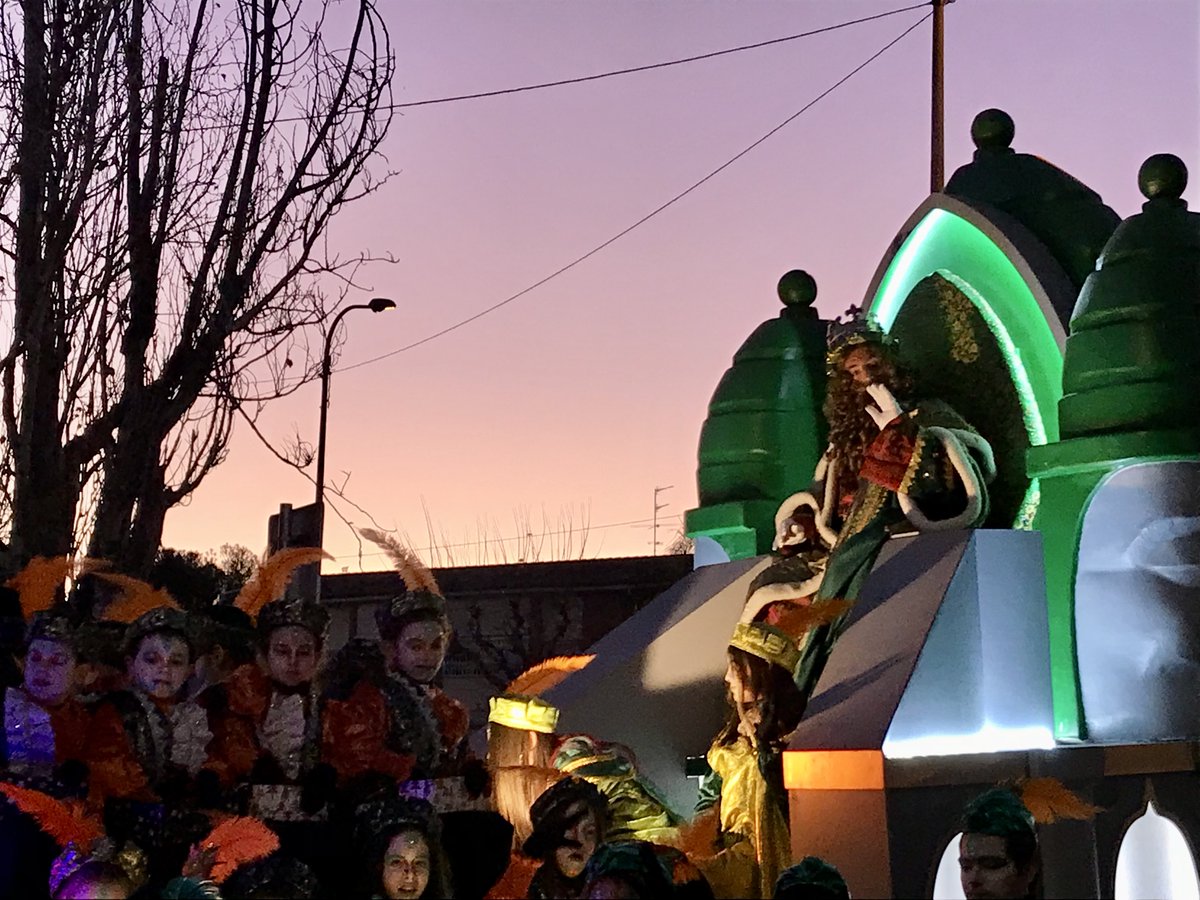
1131,360
1063,213
764,433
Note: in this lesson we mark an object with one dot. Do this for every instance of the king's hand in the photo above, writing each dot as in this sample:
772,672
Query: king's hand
886,406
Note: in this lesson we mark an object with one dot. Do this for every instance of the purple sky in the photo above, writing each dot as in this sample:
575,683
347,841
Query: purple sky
588,392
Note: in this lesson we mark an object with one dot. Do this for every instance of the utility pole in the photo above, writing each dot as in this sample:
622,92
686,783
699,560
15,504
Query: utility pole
657,507
937,148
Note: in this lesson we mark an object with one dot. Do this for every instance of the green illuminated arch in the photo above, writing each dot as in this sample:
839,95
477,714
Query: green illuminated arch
951,238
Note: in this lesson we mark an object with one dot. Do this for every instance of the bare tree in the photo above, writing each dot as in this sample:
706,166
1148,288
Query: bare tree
173,167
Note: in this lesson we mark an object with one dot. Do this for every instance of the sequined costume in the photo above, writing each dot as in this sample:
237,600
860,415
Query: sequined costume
252,718
137,745
391,725
39,738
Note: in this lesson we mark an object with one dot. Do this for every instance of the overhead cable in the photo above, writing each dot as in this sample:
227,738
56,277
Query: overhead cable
646,218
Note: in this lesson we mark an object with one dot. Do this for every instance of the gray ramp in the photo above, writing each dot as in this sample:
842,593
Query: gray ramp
947,652
657,683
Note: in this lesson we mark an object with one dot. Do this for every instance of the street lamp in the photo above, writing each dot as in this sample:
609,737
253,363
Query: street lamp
376,305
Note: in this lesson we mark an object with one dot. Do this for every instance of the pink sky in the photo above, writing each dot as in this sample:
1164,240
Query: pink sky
590,391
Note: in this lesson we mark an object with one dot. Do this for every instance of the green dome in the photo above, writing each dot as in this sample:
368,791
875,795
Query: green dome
1131,361
764,432
1063,213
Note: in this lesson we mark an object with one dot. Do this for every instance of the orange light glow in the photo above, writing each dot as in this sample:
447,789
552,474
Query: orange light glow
833,770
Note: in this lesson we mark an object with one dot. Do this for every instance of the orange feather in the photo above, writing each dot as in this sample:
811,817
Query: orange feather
236,842
40,581
1049,800
137,597
61,822
416,575
698,838
537,680
272,577
795,619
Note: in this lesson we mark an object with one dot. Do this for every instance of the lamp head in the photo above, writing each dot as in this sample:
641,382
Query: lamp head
379,304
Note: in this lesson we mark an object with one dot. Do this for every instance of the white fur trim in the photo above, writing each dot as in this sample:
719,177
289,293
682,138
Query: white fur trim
773,593
824,524
825,483
958,453
787,507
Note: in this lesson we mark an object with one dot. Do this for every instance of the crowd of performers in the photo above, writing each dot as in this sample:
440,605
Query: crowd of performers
231,753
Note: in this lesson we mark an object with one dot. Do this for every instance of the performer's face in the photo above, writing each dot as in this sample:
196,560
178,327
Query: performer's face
739,687
420,650
863,365
49,672
292,655
406,866
581,840
161,665
988,871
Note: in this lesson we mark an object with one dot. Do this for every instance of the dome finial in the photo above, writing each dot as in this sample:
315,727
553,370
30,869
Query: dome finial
797,288
1162,177
993,129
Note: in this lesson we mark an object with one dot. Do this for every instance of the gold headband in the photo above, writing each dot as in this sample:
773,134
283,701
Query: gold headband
523,713
767,643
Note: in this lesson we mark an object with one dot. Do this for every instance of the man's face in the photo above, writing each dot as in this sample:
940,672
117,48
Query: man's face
420,650
161,665
582,839
863,365
988,871
49,672
292,655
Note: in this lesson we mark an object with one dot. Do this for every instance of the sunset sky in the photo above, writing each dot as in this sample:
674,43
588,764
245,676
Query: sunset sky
582,396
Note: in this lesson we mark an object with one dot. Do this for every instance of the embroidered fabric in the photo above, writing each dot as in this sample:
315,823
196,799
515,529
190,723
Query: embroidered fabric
190,736
283,732
413,726
28,734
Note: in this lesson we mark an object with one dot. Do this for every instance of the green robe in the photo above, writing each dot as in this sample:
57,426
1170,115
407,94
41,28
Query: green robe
926,471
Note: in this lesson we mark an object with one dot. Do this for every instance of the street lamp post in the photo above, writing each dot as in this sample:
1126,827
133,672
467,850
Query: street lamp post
377,304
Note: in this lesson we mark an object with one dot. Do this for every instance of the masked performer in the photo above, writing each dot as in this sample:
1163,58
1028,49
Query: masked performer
399,841
745,789
384,714
265,717
569,821
895,463
44,724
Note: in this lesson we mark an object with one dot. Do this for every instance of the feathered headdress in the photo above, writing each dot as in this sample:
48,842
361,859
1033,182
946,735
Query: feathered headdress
40,581
237,842
65,823
137,598
520,706
416,575
161,619
1049,800
1016,808
535,681
421,598
313,617
272,577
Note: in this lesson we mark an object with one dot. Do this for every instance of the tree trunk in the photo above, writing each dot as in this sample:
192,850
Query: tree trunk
44,492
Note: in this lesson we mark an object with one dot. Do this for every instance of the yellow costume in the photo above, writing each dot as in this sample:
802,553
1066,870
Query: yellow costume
752,827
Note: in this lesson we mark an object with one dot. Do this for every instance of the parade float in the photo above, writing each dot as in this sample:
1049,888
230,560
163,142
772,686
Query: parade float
1061,638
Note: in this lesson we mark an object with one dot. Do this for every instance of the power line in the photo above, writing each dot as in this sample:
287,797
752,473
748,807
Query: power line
659,65
650,215
631,70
